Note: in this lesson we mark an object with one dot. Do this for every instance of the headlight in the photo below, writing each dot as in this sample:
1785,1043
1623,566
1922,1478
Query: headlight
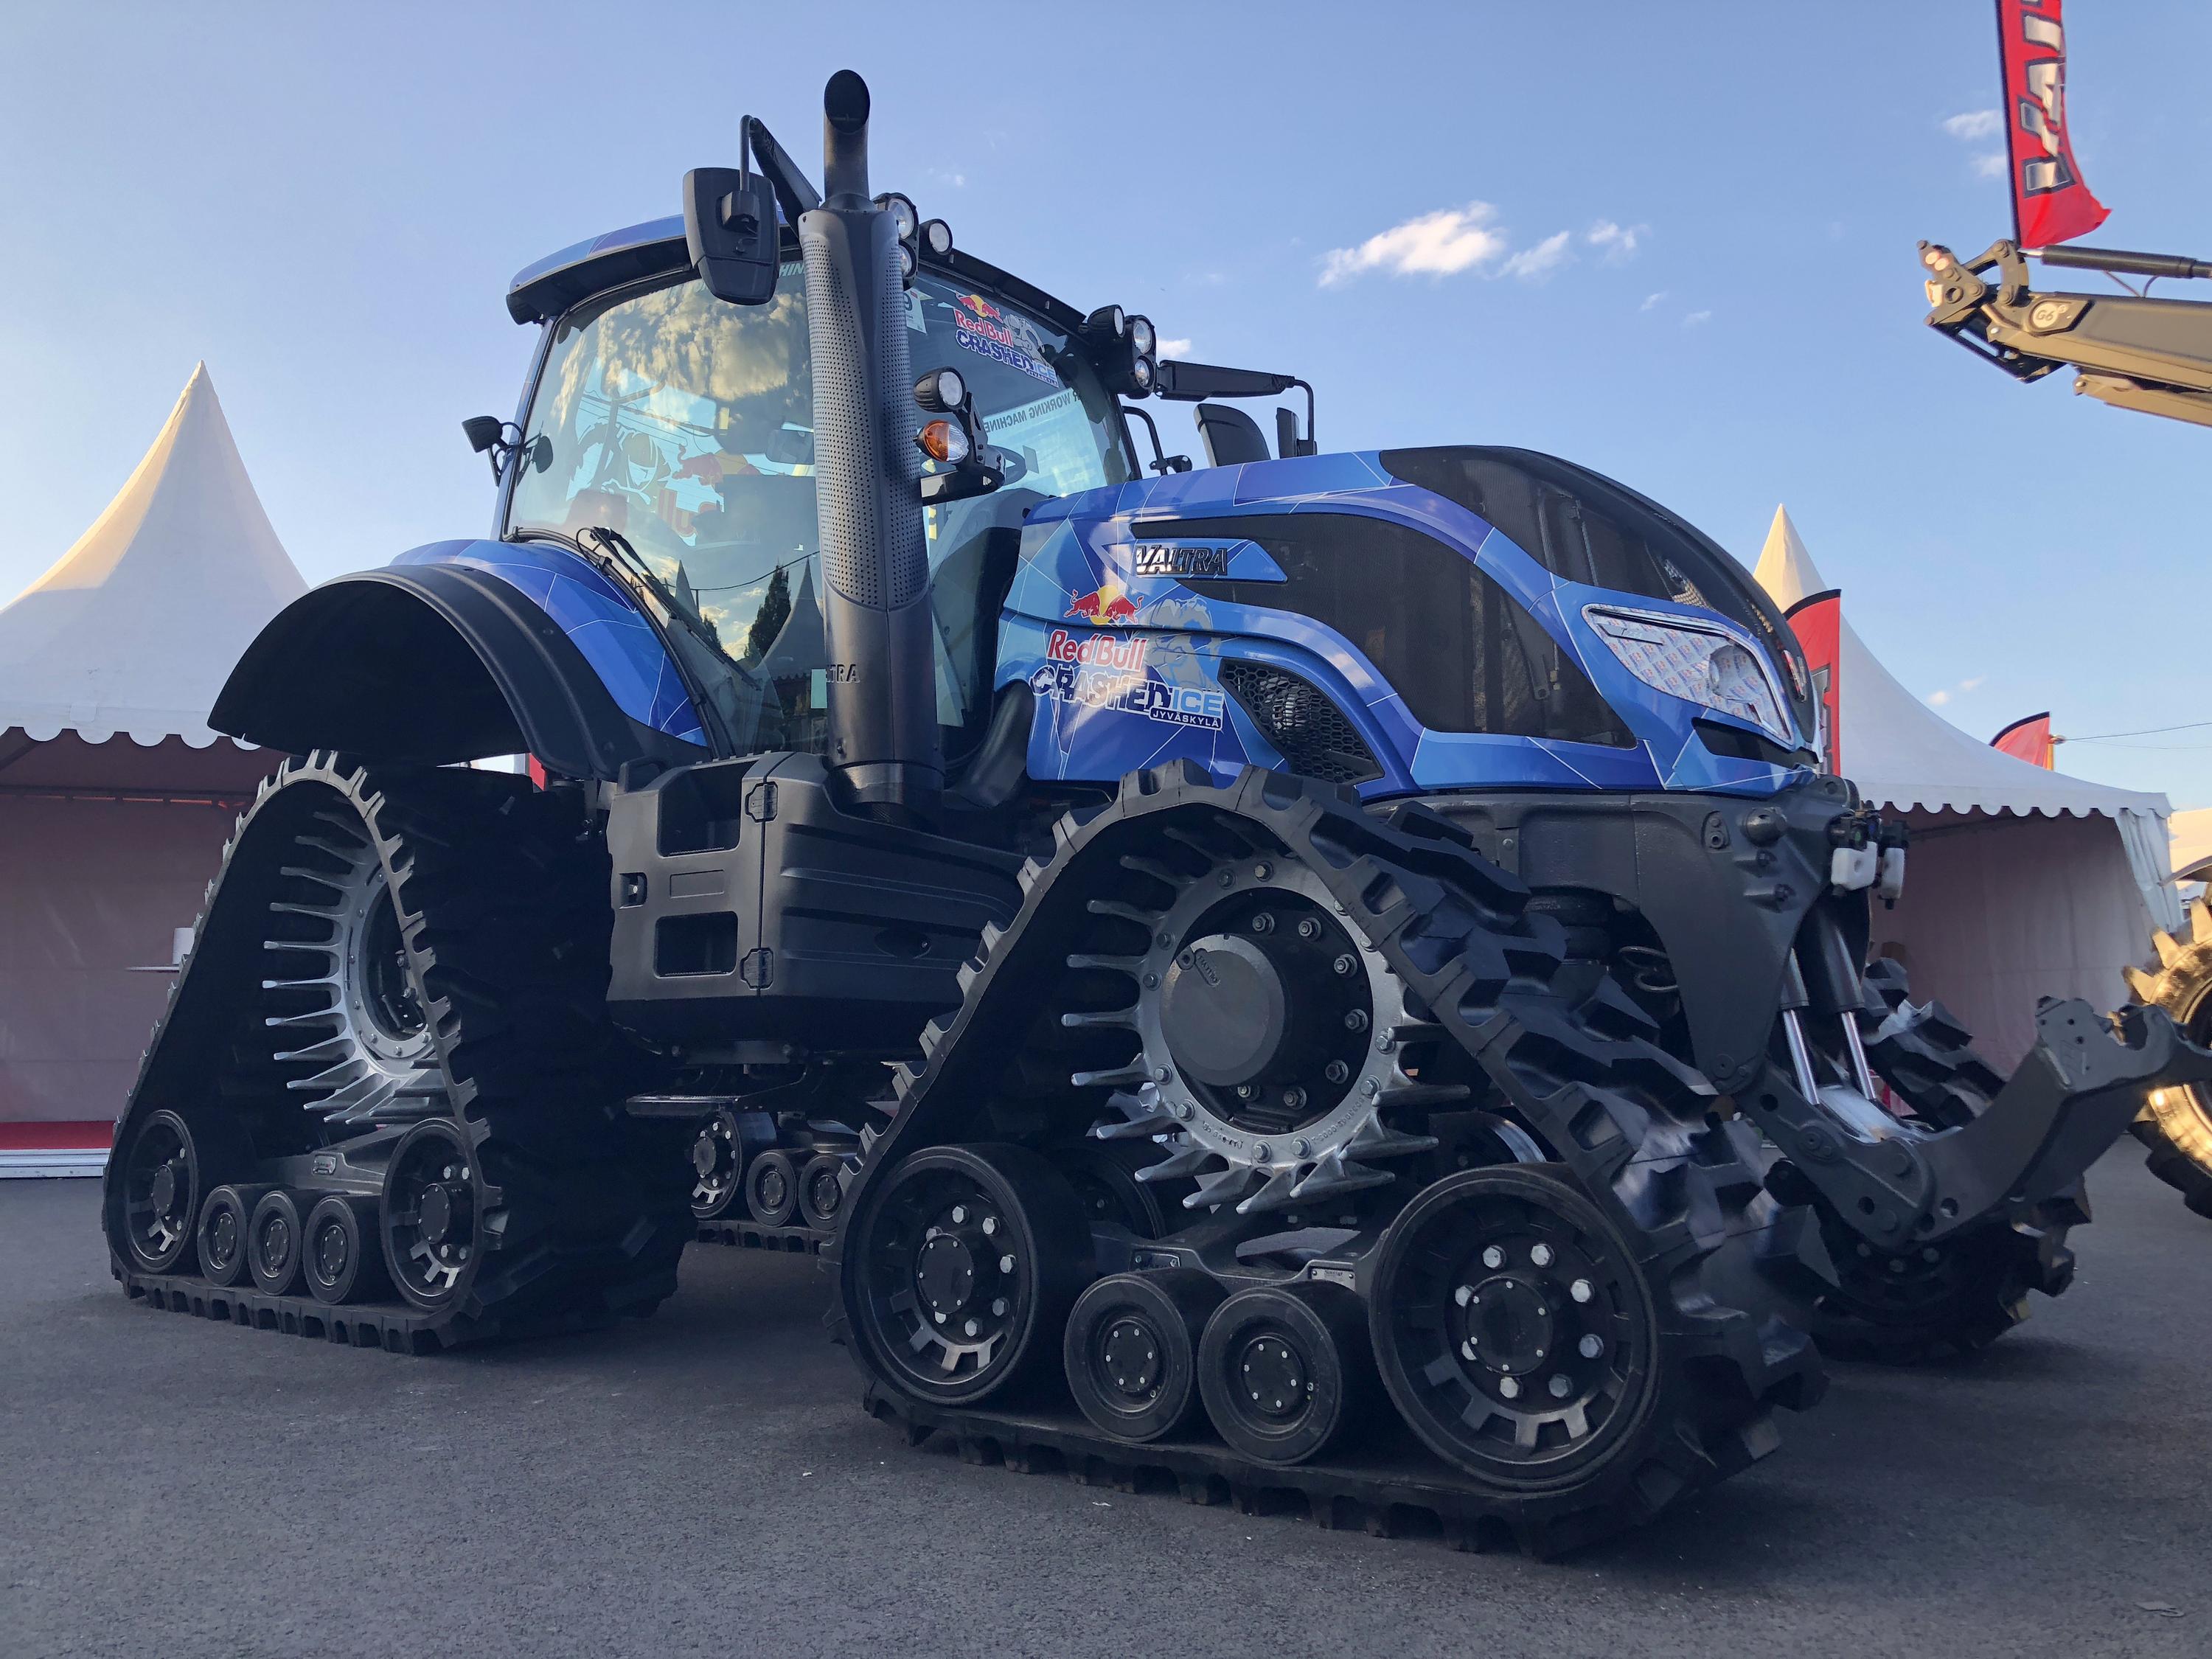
1699,665
1141,336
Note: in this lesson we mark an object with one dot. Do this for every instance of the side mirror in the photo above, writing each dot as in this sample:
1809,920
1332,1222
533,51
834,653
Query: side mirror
487,435
729,225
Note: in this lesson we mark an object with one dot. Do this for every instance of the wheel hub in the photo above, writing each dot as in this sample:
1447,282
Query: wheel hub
331,1253
946,1276
275,1237
168,1180
704,1155
440,1212
1509,1325
1130,1355
1273,1376
1225,1010
223,1236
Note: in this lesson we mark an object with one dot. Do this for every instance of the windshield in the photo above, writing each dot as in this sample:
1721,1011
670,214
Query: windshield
686,425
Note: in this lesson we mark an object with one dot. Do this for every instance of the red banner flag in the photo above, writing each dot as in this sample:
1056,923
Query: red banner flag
1817,621
2050,203
2026,739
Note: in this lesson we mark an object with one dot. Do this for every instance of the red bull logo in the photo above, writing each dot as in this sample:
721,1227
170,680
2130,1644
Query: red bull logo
1104,606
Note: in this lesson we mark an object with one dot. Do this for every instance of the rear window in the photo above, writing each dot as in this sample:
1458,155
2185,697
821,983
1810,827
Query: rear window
1449,640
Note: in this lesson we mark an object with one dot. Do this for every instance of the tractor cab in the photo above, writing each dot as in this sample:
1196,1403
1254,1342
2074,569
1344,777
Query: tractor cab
684,424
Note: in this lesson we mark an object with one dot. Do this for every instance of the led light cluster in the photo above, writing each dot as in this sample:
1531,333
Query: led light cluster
1704,665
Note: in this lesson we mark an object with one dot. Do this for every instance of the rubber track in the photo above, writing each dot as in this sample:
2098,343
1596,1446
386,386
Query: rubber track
1399,1491
392,1326
752,1235
1684,1190
503,913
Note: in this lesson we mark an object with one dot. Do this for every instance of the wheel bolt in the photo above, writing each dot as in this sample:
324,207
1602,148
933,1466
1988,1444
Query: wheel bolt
1228,878
1492,1256
1264,1155
1186,959
1931,1255
959,1214
1343,965
1245,1092
1294,1097
1263,923
1309,928
999,1307
990,1225
1303,1148
1006,1264
1580,1290
1463,1295
1262,871
1159,1074
1184,1111
938,1317
1467,1349
1560,1387
1356,1020
971,1328
1336,1071
1541,1255
1590,1346
1508,1387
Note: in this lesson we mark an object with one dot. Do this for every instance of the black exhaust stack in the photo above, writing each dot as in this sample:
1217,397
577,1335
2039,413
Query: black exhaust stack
876,615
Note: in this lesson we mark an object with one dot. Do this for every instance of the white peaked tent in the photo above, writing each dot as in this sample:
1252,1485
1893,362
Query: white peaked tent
2021,883
115,796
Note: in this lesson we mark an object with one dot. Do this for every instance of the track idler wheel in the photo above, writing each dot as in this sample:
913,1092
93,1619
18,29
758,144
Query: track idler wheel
1286,1369
1131,1350
223,1222
969,1259
1514,1330
343,1258
428,1215
718,1160
772,1188
274,1236
161,1186
821,1190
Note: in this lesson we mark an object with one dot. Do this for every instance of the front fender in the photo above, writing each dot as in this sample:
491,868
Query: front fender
446,655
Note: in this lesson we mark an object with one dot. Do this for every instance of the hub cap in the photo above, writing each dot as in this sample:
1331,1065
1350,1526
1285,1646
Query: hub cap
1273,1376
430,1212
1273,1040
1129,1359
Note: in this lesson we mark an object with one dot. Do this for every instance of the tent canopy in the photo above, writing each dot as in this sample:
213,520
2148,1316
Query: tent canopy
1902,753
2022,883
135,628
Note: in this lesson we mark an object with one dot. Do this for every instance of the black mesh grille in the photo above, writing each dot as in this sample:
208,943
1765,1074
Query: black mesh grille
1309,730
844,432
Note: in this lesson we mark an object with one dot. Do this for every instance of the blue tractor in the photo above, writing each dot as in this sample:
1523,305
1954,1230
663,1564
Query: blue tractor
1338,973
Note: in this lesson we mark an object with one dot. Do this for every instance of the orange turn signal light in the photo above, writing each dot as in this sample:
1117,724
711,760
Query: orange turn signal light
943,440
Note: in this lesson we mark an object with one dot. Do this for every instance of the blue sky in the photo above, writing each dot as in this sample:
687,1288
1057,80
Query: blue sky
1673,242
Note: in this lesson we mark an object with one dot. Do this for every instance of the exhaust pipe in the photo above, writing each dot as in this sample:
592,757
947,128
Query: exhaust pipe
882,672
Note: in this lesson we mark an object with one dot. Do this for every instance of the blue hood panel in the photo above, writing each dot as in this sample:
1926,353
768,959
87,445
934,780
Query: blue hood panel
1127,667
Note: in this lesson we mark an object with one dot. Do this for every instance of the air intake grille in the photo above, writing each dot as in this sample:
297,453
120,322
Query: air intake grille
844,432
1310,732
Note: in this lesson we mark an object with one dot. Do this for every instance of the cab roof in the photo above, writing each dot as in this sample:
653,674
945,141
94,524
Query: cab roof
542,291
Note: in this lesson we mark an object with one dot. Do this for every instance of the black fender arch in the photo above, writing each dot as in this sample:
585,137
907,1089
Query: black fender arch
427,665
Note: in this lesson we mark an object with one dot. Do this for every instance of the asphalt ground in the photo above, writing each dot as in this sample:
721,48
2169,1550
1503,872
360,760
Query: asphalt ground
704,1482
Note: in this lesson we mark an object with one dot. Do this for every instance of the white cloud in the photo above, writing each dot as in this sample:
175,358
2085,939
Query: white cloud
1533,264
1991,166
1439,244
1174,348
1976,124
1651,300
1696,318
1937,699
1619,241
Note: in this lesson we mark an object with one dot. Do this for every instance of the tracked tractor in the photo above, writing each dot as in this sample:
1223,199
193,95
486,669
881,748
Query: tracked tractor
1335,974
2155,356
